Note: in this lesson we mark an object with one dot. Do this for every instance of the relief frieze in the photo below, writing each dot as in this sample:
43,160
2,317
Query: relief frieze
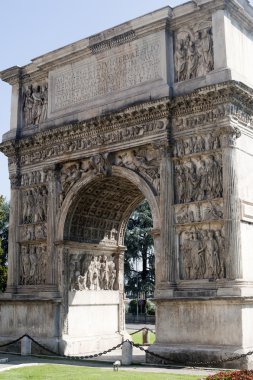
30,232
33,264
90,140
200,178
196,144
91,272
35,104
202,254
34,205
199,212
193,55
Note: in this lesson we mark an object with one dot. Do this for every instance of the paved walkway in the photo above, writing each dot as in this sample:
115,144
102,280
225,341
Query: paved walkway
17,361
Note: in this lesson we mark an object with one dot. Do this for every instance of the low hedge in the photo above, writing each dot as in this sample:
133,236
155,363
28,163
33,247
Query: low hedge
232,375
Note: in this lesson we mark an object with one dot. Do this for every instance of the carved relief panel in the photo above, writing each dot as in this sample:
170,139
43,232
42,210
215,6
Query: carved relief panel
33,264
199,212
200,178
144,160
92,272
193,55
35,104
34,205
202,253
196,144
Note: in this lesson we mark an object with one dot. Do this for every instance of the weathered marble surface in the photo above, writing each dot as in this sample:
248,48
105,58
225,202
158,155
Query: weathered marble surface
158,108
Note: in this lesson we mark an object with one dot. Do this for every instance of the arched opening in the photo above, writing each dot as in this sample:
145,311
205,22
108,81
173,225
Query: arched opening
95,214
139,268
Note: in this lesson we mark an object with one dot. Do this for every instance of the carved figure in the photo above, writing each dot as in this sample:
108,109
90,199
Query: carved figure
186,254
35,104
197,180
203,255
44,104
181,60
24,265
28,105
112,273
103,279
88,272
193,54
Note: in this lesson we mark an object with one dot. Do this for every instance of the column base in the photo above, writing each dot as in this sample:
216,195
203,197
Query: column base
201,356
194,330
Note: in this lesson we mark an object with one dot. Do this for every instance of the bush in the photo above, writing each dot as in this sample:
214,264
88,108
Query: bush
150,308
232,375
143,306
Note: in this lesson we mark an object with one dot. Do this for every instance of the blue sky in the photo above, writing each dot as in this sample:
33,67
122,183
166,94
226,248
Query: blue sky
29,28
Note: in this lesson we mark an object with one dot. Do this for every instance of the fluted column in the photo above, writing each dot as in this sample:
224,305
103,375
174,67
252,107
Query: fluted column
120,280
13,246
231,205
52,203
164,245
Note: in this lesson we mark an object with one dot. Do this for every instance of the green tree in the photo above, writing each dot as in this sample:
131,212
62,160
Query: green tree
4,228
139,256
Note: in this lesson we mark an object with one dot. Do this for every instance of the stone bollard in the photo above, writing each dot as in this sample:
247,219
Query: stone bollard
127,353
145,336
26,346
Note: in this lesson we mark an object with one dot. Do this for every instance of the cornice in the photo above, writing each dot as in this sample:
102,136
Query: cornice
199,99
130,116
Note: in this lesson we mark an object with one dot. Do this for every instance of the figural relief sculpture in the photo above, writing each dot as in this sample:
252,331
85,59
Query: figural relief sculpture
193,53
33,264
35,104
196,144
199,212
199,179
202,254
34,205
91,272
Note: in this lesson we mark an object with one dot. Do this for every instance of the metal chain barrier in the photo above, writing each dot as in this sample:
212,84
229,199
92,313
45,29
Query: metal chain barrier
169,361
143,328
193,364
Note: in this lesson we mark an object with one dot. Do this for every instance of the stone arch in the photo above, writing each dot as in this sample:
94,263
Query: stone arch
138,185
90,235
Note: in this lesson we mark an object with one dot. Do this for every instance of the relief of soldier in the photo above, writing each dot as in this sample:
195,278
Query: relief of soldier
35,105
88,272
203,255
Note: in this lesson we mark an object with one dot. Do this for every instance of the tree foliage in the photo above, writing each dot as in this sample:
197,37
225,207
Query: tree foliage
4,229
139,256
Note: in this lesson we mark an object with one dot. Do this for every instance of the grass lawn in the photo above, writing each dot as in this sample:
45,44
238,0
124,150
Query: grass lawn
137,338
68,372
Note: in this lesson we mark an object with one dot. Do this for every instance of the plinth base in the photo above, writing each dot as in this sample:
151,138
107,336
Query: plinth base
201,356
195,331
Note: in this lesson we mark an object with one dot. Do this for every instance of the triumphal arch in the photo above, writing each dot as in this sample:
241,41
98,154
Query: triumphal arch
159,108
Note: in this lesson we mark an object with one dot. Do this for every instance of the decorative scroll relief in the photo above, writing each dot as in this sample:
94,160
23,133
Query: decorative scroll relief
199,178
199,212
94,77
35,104
33,264
90,272
202,254
247,211
193,52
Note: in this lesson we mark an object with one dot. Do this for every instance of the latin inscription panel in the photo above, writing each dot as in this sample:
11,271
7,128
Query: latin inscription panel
108,73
